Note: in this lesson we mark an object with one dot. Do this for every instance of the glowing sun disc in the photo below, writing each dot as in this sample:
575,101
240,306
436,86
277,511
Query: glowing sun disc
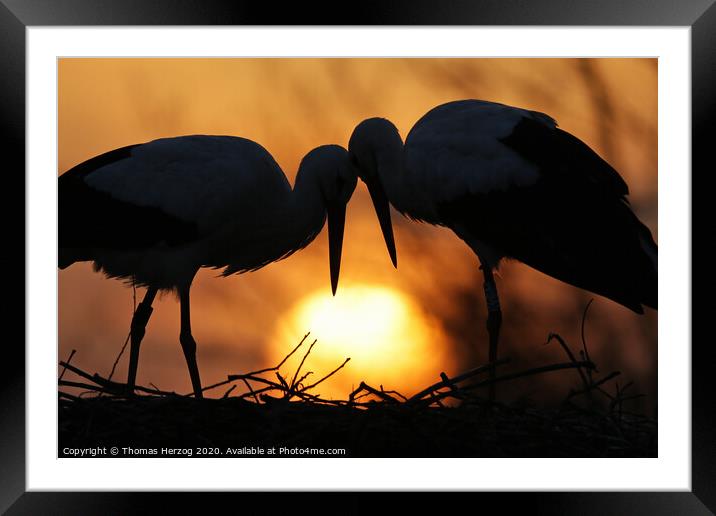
389,339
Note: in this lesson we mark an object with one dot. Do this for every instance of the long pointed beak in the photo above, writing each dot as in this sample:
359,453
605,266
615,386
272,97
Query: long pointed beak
336,223
382,210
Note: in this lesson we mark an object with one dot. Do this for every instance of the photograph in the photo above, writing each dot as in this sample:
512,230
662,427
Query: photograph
403,247
357,257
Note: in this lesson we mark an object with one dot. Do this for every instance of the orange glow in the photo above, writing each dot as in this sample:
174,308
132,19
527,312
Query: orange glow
243,323
382,331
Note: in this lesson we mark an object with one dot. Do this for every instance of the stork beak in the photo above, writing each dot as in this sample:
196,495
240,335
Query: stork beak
382,210
336,223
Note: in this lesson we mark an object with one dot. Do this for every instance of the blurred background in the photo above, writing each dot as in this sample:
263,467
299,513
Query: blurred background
402,327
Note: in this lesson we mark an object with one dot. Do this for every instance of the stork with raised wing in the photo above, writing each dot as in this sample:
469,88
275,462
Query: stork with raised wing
511,184
154,213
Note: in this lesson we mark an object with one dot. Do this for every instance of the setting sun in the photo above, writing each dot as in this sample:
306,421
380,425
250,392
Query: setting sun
389,340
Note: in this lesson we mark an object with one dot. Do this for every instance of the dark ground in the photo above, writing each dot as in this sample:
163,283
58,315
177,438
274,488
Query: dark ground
475,429
278,415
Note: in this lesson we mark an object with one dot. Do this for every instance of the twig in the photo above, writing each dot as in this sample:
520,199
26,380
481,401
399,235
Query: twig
394,392
67,395
254,393
77,371
248,385
520,374
594,385
300,380
584,321
558,338
459,378
235,376
129,335
228,391
584,340
447,382
69,359
372,390
327,376
295,375
109,385
79,385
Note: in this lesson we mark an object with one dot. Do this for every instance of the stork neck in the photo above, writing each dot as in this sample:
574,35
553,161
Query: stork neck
307,209
391,171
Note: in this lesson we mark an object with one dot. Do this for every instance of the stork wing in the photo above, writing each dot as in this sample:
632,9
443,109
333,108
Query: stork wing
573,223
91,218
171,191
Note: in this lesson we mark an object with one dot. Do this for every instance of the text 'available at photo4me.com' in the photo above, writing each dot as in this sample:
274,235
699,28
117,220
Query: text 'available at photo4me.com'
239,451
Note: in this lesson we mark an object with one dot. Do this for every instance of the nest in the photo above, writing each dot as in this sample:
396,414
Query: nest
280,411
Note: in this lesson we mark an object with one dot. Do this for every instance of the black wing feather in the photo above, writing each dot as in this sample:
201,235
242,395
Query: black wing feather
90,219
574,224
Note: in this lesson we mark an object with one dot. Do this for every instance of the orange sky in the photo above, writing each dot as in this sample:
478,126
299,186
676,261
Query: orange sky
293,105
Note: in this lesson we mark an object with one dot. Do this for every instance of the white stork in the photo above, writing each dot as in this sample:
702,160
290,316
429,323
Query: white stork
511,184
154,213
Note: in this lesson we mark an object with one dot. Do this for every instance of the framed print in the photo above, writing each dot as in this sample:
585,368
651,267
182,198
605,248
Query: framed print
517,344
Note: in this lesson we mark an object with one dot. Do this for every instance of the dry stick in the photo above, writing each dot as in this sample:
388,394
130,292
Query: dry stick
396,393
77,371
447,381
435,400
102,389
252,374
126,341
248,385
280,363
584,341
584,321
254,379
295,375
254,393
69,359
460,378
596,384
121,387
513,376
228,391
273,385
358,394
155,387
68,383
107,384
283,382
300,380
121,352
327,376
209,387
318,399
569,355
605,393
381,394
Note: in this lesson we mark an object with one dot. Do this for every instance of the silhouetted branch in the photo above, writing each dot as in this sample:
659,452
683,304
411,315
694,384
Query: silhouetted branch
558,338
381,394
69,359
327,376
459,378
298,369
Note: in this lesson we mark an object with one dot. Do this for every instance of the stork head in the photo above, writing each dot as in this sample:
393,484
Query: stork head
330,168
375,148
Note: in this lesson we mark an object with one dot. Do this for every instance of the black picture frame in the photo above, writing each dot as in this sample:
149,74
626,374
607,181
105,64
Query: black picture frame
17,15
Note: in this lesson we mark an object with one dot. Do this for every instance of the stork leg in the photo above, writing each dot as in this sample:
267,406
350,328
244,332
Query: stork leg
188,344
139,324
494,321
